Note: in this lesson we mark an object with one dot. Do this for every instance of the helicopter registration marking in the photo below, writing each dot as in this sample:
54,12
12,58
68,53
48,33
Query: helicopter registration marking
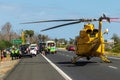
58,69
113,67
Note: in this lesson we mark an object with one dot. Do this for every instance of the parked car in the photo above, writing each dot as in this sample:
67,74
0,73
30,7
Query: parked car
33,49
24,52
71,48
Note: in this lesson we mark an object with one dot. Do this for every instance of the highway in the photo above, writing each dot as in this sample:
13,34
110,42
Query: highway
59,67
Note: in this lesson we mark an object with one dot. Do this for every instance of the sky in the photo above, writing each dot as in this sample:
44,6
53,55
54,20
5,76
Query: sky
19,11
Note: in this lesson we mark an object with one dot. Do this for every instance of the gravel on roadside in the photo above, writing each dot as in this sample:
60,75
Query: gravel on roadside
6,66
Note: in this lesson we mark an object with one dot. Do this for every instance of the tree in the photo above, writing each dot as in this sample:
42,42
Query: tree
61,42
43,38
116,47
29,34
40,37
116,39
71,41
5,44
6,31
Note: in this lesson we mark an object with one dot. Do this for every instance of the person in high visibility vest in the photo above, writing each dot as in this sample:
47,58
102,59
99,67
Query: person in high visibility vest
17,54
13,53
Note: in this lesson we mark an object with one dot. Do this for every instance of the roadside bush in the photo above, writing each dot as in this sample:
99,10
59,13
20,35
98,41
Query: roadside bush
5,44
116,48
107,49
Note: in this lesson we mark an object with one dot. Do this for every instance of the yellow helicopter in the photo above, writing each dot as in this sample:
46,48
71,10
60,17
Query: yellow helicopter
90,42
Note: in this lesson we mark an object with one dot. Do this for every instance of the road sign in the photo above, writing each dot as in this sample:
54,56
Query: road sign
19,41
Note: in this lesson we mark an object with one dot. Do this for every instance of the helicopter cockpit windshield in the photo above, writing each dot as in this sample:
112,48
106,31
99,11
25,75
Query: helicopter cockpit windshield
89,28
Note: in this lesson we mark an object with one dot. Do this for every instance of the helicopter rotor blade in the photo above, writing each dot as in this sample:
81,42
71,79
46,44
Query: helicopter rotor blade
109,19
62,20
61,25
112,20
83,20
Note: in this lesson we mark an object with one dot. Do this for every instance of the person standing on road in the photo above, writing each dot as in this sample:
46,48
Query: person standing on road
13,53
4,53
2,56
43,49
17,53
48,49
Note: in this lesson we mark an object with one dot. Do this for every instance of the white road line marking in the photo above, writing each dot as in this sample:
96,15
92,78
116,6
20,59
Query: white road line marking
113,67
58,69
114,58
66,55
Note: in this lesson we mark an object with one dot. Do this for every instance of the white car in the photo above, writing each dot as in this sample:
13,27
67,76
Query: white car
33,51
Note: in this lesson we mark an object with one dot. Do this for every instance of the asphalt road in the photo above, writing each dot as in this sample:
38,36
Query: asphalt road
95,69
37,68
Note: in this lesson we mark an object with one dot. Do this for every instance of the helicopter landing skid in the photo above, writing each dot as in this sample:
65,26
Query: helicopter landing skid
105,59
74,59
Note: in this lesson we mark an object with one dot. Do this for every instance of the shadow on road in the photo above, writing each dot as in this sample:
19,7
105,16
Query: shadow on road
79,63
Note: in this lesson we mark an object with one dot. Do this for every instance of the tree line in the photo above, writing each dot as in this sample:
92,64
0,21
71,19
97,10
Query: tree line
116,47
7,35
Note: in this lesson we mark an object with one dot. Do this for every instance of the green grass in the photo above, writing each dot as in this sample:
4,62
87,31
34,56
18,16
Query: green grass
112,54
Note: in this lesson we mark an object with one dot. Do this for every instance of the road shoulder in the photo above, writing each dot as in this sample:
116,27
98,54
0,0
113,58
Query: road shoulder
6,66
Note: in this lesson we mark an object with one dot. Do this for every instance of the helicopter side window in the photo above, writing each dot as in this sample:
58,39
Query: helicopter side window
90,32
95,31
